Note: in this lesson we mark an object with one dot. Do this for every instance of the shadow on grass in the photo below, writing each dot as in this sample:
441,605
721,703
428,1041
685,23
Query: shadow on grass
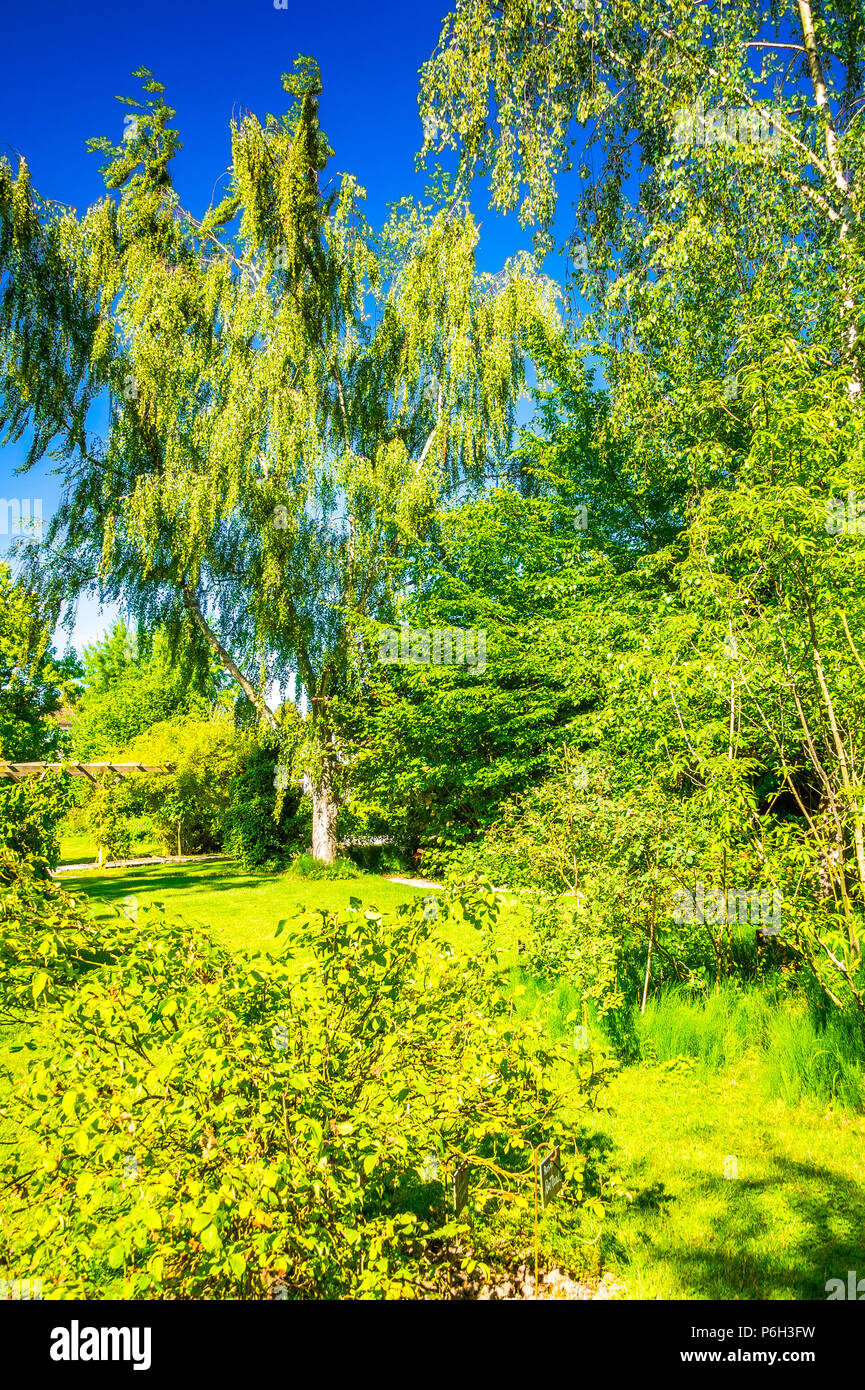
820,1201
177,881
220,879
198,897
778,1236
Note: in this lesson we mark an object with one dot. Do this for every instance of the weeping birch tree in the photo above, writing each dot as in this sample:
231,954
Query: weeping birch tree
675,127
289,396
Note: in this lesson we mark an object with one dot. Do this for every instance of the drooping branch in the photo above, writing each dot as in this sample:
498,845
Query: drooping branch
193,606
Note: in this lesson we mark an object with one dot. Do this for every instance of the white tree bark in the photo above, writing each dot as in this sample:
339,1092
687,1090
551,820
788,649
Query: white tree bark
839,178
324,811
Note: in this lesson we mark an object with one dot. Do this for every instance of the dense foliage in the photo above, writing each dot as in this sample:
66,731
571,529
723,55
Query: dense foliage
132,683
34,684
290,394
313,467
215,1127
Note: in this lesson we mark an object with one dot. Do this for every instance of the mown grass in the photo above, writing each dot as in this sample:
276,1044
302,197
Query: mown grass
740,1134
242,908
79,846
735,1196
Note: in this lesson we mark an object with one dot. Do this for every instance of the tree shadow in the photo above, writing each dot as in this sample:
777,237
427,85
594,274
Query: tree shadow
151,883
780,1236
830,1212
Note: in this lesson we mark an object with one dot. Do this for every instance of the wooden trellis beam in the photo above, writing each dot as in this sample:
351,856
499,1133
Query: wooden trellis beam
20,772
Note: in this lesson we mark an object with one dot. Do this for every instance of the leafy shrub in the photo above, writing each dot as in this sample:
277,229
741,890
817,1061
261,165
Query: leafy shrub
210,1127
109,820
188,804
304,866
30,816
49,940
257,832
380,859
572,941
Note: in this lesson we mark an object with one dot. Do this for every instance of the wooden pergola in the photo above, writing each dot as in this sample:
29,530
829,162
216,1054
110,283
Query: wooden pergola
35,772
22,772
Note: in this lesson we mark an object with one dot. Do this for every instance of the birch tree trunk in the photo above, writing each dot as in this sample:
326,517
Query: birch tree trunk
841,187
324,811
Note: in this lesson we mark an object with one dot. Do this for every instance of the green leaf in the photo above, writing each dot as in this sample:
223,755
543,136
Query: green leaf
210,1239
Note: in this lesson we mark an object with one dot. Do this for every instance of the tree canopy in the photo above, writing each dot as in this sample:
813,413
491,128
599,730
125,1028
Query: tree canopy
290,393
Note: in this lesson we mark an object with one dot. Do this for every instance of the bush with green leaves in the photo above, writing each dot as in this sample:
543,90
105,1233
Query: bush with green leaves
136,679
188,803
304,866
381,859
30,816
577,941
263,821
211,1126
607,871
596,864
109,819
371,858
49,940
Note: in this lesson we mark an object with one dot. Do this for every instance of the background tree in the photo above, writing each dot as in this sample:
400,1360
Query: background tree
442,746
132,682
691,114
34,684
188,803
719,244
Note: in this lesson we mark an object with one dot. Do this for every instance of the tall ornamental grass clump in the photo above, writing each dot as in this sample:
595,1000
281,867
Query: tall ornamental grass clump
803,1057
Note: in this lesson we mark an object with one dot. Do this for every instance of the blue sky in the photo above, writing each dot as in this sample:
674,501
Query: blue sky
62,65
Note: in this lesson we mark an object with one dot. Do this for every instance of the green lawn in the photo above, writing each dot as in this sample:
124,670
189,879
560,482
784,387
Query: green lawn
790,1215
791,1218
79,847
243,909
